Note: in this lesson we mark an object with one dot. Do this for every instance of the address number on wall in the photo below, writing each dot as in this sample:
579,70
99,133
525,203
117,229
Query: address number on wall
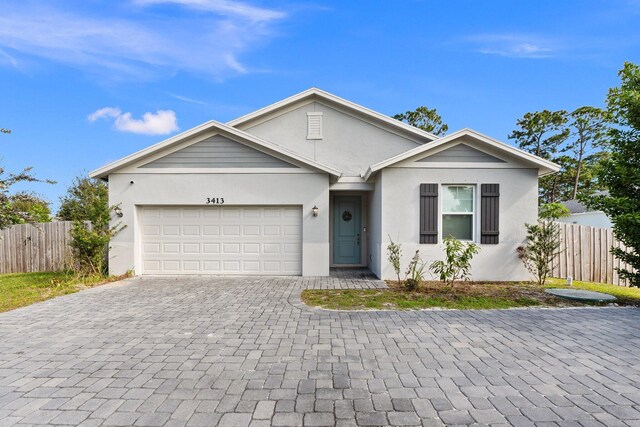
215,200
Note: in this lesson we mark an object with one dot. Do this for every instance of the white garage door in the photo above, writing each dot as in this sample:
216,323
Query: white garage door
264,240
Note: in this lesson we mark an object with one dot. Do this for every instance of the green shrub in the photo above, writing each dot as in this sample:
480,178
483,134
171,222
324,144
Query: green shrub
395,253
415,270
543,244
87,205
457,263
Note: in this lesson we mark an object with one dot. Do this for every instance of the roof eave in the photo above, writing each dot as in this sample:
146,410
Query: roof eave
338,100
104,171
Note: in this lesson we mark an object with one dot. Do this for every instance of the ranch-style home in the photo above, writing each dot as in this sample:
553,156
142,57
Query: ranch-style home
313,182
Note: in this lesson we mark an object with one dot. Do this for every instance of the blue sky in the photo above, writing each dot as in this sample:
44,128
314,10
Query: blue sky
83,83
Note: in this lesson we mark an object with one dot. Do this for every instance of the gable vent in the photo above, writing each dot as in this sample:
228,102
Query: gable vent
314,125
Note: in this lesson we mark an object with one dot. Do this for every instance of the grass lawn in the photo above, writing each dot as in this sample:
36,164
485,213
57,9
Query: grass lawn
18,290
469,295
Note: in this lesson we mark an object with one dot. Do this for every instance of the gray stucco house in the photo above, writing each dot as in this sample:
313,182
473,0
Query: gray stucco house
316,181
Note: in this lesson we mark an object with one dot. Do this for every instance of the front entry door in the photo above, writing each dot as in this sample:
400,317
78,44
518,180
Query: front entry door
346,230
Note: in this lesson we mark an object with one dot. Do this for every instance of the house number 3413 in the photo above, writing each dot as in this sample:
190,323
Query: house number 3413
215,200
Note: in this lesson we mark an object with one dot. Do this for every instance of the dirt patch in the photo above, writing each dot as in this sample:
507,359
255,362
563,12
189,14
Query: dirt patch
492,290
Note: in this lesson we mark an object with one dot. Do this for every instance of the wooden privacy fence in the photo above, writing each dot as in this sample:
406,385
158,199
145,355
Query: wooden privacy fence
586,255
27,248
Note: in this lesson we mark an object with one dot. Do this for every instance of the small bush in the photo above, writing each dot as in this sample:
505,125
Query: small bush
543,245
415,270
457,263
395,253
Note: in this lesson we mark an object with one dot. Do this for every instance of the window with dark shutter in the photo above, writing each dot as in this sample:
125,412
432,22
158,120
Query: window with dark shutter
490,214
429,213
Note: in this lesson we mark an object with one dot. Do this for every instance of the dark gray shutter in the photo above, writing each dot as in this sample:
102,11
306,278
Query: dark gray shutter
490,214
429,213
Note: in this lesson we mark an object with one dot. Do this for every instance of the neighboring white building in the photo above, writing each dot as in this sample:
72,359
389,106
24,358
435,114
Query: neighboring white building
581,214
316,181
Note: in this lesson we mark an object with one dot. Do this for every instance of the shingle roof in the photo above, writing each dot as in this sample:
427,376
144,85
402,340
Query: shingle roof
576,206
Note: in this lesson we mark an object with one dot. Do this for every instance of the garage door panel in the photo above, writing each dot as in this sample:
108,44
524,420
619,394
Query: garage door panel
191,248
171,212
230,230
171,230
251,230
171,248
211,230
151,248
221,240
191,213
251,248
251,212
151,230
211,248
191,230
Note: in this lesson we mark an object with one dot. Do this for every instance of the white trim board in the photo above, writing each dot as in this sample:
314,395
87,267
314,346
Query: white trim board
209,128
323,95
544,167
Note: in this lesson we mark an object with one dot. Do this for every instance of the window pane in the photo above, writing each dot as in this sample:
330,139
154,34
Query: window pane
457,199
458,226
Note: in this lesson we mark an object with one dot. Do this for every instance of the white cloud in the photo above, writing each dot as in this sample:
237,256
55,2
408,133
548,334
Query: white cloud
104,113
514,45
162,122
187,99
223,7
9,59
206,37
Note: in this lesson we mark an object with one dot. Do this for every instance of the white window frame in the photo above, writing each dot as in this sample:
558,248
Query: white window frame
473,213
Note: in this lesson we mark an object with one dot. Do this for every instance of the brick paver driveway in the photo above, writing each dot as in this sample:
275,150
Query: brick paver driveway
244,351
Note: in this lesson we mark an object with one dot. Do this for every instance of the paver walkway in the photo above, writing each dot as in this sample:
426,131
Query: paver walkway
245,351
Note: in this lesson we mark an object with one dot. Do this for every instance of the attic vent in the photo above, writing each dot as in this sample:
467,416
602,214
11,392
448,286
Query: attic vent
314,125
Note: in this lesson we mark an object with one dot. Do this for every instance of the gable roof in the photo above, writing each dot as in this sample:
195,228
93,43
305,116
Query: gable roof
544,167
251,140
319,94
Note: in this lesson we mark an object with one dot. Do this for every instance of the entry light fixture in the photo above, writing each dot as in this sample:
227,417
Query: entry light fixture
118,211
314,210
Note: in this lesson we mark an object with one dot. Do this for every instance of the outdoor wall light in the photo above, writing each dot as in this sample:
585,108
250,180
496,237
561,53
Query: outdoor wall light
314,210
118,211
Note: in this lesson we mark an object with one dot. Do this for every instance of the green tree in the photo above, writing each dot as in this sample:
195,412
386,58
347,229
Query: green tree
557,186
31,206
620,173
424,118
543,245
551,211
589,128
541,132
88,200
10,212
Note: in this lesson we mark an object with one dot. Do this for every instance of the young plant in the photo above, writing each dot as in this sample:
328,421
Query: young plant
415,272
394,251
457,263
543,245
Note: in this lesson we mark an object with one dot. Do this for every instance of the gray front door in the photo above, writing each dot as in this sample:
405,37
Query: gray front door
346,230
